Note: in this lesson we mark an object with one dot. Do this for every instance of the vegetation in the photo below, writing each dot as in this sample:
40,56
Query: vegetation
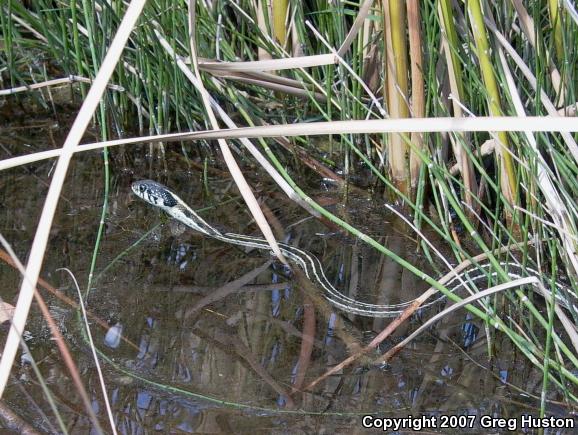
475,141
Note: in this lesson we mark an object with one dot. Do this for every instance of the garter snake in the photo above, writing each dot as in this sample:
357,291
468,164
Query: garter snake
160,196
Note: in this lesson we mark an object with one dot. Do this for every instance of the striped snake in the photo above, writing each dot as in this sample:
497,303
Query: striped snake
158,195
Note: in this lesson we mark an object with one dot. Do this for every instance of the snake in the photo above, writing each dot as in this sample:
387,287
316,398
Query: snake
160,196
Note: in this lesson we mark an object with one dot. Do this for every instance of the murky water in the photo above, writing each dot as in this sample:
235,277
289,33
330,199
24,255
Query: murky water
216,339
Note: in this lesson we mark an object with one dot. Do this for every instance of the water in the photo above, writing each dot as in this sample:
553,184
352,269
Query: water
215,339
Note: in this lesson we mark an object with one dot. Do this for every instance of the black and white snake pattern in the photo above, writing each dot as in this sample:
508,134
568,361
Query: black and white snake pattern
160,196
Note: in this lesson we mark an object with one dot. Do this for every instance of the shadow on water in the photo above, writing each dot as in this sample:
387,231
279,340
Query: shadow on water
221,339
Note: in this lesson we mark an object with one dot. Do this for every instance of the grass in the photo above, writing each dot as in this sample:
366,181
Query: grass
425,95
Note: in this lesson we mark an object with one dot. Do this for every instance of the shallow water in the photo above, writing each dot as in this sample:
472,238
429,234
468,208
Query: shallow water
214,338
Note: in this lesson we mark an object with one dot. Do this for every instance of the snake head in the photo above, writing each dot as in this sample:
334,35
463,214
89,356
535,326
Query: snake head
154,193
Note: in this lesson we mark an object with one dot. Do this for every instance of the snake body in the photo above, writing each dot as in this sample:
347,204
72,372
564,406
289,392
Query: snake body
160,196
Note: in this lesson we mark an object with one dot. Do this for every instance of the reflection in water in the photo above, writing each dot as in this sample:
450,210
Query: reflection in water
181,254
113,336
330,328
469,330
221,334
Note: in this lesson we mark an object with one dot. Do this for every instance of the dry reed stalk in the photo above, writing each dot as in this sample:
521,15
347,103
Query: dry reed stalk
562,125
396,87
417,85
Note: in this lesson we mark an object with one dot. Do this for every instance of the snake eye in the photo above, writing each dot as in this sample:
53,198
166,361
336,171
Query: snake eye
142,188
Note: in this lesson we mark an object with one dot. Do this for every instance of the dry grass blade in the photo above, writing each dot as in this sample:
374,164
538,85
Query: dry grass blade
229,122
527,26
54,82
372,345
234,169
93,351
556,206
269,65
357,24
24,24
62,347
571,10
548,105
406,314
41,238
291,89
531,281
412,125
342,62
50,288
